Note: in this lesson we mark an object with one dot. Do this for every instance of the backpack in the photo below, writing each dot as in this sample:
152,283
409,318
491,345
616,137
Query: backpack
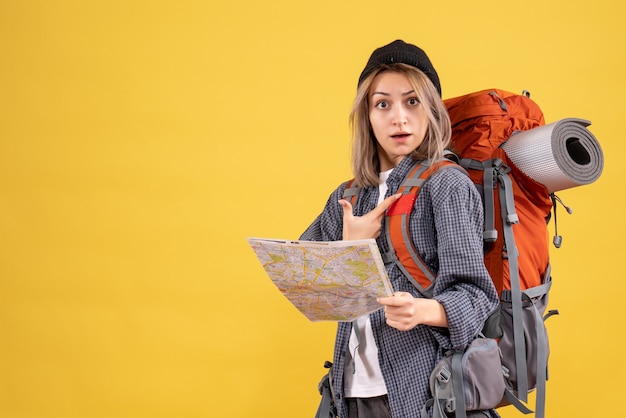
516,253
517,210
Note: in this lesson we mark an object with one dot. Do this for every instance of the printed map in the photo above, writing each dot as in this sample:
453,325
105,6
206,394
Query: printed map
326,281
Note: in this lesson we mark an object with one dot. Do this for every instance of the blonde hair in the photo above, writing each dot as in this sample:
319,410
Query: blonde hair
365,163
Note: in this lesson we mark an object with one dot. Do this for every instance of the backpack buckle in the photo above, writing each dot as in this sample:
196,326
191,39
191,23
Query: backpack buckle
444,375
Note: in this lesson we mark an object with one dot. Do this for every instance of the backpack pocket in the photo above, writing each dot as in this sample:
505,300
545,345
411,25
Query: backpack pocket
472,378
535,345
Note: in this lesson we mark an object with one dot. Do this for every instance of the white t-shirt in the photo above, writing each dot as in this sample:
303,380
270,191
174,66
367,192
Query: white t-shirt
363,377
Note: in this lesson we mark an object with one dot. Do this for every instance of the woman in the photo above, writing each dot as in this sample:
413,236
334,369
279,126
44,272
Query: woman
382,362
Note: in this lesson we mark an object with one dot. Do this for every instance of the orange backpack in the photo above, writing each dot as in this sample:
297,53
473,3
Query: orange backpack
481,122
517,210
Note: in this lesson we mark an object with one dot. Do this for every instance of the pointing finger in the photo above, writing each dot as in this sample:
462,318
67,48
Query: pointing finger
347,207
384,205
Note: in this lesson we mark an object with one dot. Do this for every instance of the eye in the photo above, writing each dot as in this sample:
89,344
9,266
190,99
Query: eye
381,105
413,101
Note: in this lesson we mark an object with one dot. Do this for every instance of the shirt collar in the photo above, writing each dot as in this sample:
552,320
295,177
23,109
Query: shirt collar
401,170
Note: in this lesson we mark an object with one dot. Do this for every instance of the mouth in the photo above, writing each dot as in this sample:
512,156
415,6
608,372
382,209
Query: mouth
400,136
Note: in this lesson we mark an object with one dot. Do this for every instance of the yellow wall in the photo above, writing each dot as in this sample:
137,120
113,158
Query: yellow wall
142,141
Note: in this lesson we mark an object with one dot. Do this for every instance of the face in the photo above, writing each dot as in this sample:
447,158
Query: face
397,118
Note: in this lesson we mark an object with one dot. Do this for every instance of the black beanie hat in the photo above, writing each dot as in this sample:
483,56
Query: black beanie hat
401,52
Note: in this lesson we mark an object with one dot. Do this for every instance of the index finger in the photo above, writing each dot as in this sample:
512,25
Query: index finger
384,205
395,300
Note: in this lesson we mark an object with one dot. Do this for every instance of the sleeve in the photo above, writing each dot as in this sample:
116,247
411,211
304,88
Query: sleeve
328,226
463,285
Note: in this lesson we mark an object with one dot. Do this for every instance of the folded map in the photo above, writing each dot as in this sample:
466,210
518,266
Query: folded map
326,281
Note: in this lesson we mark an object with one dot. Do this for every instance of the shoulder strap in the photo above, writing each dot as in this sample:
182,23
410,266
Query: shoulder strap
401,248
351,192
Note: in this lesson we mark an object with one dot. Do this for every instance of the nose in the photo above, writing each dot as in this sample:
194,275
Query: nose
399,116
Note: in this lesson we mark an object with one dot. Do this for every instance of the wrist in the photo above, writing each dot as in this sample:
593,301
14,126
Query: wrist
433,312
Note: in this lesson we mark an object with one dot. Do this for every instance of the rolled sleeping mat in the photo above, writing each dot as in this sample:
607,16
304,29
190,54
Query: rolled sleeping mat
559,155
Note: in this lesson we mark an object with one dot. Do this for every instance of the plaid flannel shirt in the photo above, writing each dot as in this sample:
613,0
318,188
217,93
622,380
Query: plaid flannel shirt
446,228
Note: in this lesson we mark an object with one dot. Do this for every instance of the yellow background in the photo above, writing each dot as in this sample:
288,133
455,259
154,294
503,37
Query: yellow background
142,141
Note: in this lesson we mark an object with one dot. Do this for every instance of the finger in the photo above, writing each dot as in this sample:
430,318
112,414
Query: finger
383,300
403,294
391,301
384,205
398,299
347,208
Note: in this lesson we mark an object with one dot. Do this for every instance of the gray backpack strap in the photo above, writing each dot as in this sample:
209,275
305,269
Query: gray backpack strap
516,293
457,381
350,191
542,343
490,234
516,402
533,298
441,398
429,403
542,366
517,298
508,215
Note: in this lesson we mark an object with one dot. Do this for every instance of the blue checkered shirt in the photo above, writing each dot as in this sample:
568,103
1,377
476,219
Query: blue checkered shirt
446,228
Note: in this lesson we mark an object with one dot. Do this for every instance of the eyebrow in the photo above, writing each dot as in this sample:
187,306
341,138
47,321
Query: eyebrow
388,94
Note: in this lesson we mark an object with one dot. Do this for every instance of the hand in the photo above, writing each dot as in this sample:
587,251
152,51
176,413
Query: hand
404,312
368,225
